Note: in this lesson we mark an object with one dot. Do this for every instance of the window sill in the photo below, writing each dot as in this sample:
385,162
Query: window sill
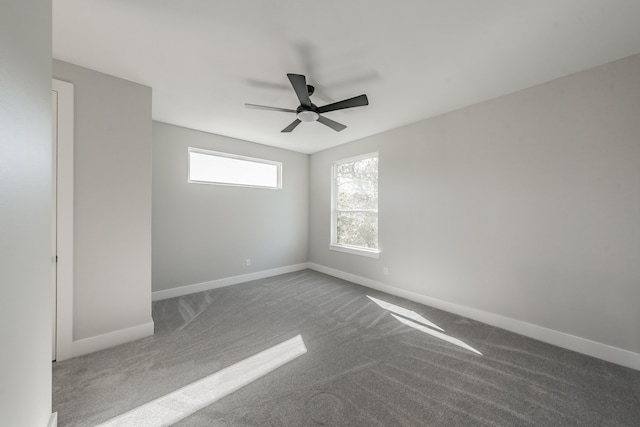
354,250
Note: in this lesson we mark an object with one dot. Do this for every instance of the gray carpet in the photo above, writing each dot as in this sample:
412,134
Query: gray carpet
364,365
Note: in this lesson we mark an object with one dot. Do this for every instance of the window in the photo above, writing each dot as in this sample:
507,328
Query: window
354,227
210,167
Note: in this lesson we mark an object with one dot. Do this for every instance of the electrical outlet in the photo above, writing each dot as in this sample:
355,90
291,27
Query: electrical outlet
247,262
385,271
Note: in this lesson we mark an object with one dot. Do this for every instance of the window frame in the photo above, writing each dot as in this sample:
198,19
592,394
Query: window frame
333,244
235,157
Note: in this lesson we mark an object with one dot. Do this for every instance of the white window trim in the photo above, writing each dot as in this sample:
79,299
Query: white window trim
355,250
333,245
233,156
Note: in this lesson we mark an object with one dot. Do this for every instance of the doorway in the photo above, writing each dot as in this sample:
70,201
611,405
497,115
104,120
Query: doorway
62,219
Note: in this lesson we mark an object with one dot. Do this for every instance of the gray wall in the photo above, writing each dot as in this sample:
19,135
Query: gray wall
25,213
527,206
205,232
112,212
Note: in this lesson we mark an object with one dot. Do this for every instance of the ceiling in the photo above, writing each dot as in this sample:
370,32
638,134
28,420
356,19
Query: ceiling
413,58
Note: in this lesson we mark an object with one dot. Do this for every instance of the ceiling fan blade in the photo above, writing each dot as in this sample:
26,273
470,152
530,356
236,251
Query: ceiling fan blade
265,107
292,126
299,83
356,101
331,123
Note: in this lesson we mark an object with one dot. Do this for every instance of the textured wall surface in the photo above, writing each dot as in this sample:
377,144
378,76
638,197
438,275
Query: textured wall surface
206,232
112,236
526,206
25,213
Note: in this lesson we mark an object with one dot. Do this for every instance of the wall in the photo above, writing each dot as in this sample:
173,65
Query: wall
525,206
25,213
112,240
203,233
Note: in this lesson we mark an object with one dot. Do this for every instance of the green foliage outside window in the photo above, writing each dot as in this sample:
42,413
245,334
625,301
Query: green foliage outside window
357,203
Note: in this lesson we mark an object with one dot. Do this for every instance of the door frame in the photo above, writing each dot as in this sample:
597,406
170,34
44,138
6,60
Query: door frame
63,299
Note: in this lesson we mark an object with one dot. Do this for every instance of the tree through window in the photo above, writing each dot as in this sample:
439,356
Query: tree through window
355,203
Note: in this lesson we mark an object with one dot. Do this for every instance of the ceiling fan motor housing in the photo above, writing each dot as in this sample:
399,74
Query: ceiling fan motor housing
307,114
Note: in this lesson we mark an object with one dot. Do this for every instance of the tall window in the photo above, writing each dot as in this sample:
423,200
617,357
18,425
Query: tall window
355,205
211,167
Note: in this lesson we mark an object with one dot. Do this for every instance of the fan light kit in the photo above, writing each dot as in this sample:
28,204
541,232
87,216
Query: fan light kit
309,112
308,116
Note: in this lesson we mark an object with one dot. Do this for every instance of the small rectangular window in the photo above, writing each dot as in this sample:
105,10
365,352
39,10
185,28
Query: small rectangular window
211,167
355,205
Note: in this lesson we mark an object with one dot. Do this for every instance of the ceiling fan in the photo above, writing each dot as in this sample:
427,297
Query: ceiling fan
308,111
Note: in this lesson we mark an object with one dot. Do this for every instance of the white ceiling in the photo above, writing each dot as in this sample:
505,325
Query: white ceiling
413,58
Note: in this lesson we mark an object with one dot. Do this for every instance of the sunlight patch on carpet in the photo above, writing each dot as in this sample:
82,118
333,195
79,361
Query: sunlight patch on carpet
409,314
445,337
177,405
416,321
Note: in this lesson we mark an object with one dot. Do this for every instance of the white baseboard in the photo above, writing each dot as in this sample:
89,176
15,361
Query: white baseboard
227,281
550,336
53,421
111,339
